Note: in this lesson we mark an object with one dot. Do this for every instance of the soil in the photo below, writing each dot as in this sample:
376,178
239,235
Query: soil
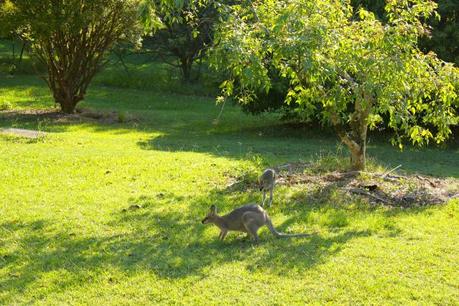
80,115
388,189
23,133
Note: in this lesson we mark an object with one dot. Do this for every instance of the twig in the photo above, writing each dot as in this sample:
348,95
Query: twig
217,120
390,171
360,191
426,179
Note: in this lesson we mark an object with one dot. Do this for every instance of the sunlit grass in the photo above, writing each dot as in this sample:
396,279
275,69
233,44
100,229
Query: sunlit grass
65,237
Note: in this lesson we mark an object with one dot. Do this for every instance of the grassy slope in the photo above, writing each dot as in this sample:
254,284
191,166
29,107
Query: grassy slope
64,237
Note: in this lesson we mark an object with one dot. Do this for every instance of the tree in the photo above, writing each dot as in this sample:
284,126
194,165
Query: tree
346,67
442,39
183,31
71,37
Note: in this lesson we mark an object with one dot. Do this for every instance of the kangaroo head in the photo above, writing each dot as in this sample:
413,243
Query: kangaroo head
210,217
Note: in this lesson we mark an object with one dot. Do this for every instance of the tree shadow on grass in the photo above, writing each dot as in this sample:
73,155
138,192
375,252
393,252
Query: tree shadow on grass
261,141
185,125
168,242
286,143
272,145
184,248
269,141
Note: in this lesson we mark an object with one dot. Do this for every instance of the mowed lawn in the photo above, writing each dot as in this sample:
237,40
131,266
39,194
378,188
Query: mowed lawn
67,235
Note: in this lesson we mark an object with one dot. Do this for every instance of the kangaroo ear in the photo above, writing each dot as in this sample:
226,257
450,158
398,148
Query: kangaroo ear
213,209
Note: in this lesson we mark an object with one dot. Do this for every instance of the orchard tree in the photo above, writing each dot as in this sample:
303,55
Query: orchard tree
71,37
346,67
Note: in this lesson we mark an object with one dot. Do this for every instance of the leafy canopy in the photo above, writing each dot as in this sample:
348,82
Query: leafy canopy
344,66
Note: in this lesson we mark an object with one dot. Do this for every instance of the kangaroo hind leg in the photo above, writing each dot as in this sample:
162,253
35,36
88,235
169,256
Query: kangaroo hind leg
251,225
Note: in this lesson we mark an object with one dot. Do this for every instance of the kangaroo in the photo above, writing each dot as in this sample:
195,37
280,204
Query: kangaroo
266,182
248,219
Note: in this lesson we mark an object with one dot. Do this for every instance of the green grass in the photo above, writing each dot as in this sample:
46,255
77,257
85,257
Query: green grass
140,71
64,237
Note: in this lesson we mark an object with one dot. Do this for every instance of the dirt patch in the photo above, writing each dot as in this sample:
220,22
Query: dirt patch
389,188
31,114
81,115
23,133
107,117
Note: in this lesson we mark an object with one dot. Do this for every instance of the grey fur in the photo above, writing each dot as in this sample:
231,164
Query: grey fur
266,182
248,219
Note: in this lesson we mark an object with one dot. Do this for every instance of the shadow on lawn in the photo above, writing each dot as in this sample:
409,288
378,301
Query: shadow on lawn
240,139
164,254
169,242
285,142
280,140
289,144
162,240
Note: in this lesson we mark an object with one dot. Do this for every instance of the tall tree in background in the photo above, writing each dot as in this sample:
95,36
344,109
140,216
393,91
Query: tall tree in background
184,33
71,37
350,70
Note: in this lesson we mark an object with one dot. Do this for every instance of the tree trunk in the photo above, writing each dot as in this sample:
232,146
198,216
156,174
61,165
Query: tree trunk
356,138
198,75
22,52
356,146
68,107
66,98
359,137
358,157
185,66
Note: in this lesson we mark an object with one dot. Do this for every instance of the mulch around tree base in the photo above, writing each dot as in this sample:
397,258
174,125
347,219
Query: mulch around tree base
392,190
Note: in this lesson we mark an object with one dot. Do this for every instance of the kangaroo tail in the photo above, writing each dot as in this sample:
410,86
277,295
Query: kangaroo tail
281,235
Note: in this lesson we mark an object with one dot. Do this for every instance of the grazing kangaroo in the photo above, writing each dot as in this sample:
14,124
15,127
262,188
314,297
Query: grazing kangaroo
266,181
247,219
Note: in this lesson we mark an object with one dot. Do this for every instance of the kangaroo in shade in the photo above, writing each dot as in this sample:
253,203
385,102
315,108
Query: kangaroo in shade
266,182
247,219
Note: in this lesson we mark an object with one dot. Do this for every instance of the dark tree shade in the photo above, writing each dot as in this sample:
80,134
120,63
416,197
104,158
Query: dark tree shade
445,32
444,38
